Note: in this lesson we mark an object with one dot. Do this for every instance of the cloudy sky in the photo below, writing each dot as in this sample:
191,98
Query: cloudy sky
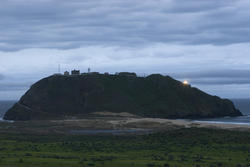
206,42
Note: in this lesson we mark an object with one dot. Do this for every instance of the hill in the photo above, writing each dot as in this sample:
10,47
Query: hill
58,96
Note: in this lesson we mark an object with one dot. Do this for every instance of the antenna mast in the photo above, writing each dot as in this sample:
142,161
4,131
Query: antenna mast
59,68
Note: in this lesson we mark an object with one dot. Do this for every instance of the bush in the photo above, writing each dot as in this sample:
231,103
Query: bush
20,160
166,165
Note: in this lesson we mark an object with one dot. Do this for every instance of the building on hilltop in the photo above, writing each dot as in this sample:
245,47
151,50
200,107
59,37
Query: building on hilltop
94,73
129,74
66,73
75,72
84,73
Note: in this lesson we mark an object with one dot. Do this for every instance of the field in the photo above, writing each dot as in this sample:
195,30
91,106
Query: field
185,147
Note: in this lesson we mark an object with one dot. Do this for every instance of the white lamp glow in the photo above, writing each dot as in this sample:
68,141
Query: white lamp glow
185,82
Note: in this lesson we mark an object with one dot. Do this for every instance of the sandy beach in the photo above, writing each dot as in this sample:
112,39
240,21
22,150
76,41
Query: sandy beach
108,121
170,123
154,124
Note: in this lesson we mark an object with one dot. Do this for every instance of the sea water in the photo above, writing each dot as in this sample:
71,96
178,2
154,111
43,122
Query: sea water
4,106
242,104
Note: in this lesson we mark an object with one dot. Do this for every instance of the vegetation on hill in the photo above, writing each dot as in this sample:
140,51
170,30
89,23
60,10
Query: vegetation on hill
58,96
176,148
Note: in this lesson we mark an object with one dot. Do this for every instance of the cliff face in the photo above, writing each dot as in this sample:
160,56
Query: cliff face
154,96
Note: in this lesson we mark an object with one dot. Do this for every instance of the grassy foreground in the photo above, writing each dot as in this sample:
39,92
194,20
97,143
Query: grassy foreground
177,148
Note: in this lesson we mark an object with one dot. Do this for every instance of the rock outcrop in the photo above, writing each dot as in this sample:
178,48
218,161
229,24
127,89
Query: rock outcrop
58,96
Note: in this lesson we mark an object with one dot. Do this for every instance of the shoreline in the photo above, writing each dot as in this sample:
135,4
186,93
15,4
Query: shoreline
113,123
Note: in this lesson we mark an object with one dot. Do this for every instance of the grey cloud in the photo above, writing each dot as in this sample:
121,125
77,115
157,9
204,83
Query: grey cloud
216,77
13,86
216,74
223,81
70,24
190,6
1,77
18,82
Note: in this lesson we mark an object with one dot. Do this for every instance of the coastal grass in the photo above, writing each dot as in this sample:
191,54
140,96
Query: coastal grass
192,147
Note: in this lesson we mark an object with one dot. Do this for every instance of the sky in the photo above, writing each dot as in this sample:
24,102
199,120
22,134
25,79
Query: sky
206,42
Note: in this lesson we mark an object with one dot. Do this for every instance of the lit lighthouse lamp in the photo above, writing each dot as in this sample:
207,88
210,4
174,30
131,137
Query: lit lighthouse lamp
185,82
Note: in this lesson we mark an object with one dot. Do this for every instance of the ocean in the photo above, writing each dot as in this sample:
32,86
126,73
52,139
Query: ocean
4,106
242,104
